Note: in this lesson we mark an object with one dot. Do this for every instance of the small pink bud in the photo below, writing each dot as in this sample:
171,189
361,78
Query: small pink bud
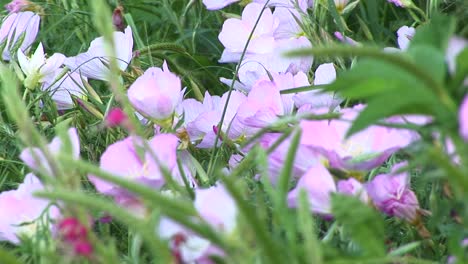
83,248
216,131
116,117
117,18
72,229
16,6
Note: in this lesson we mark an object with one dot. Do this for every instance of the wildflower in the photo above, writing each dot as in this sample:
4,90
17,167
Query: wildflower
216,207
38,69
236,32
325,74
16,6
129,160
18,30
75,234
22,213
405,34
346,40
454,47
61,90
401,3
319,184
201,126
391,194
156,93
117,18
364,150
116,117
94,62
36,160
463,119
217,4
341,4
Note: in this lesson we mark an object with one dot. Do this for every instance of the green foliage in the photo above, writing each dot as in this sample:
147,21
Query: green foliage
364,225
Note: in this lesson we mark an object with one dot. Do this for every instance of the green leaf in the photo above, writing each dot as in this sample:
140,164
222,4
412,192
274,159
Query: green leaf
8,258
461,69
430,59
436,33
364,225
401,101
371,77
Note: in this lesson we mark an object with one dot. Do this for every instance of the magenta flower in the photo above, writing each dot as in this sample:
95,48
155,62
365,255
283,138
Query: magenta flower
364,150
116,117
392,195
94,62
23,214
16,26
156,93
16,6
235,33
463,119
36,160
75,234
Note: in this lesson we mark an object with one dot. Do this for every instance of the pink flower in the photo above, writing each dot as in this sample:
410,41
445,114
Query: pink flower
463,119
22,213
61,90
16,25
352,187
156,93
455,46
235,33
94,62
75,234
116,117
217,4
288,17
218,209
364,150
127,159
36,160
325,74
216,206
210,112
263,105
391,194
38,69
16,6
318,185
346,40
306,157
405,34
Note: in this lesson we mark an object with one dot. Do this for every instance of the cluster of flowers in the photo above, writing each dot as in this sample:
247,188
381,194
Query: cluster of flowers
235,117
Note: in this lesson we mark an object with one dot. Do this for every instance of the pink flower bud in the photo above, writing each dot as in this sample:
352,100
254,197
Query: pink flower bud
116,117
